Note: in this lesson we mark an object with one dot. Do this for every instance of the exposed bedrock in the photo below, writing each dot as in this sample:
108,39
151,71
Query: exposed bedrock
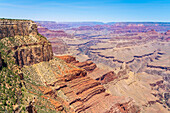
87,95
25,43
116,75
74,90
33,54
55,37
168,32
11,28
122,81
159,72
108,77
159,67
58,45
84,94
52,34
87,65
67,58
136,64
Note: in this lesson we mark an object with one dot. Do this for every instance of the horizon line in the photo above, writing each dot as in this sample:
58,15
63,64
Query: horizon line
84,21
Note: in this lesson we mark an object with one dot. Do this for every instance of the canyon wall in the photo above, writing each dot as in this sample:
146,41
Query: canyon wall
10,28
34,54
55,37
24,42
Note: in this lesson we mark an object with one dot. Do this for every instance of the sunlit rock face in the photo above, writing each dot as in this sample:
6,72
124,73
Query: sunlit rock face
26,44
11,28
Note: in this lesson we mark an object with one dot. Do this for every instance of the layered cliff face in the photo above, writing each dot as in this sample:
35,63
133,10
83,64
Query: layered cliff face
52,34
55,37
24,43
147,90
58,45
11,28
115,76
139,88
36,53
89,66
50,84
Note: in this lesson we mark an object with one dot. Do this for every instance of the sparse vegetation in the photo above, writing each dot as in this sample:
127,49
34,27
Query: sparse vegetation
10,93
14,19
10,84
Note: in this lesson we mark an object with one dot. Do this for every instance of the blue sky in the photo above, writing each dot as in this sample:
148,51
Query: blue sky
87,10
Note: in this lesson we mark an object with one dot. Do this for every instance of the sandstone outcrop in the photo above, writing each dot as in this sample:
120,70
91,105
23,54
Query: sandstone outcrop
67,58
11,28
78,91
145,90
87,65
24,49
116,75
36,53
110,76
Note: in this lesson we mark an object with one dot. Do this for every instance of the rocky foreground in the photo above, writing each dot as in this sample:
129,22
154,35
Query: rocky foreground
149,91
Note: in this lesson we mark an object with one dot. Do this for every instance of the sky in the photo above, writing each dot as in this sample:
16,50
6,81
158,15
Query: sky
87,10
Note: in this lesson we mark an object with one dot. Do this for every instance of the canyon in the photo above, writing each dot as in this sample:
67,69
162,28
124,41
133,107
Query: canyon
143,47
84,68
49,84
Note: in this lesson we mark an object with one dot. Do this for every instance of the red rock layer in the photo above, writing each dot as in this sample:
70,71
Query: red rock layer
108,77
112,76
58,45
87,65
51,33
86,95
67,58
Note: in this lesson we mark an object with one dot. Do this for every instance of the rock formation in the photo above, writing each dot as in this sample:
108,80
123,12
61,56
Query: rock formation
143,47
87,65
50,84
36,53
11,28
116,75
52,34
55,37
147,91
